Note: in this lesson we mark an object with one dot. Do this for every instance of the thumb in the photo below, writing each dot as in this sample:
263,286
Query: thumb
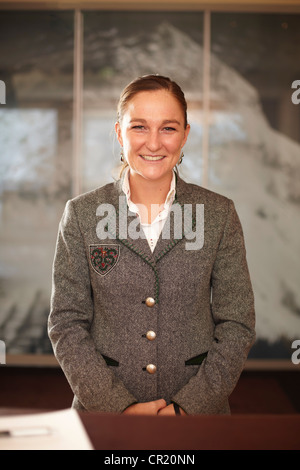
160,404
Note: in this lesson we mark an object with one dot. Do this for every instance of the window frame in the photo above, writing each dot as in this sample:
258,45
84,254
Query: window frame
78,7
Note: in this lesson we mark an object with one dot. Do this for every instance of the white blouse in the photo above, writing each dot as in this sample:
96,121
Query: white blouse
152,231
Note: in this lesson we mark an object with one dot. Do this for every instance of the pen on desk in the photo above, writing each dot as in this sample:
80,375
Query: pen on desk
25,432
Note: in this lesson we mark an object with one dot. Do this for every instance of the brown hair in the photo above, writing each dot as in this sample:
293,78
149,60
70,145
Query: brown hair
151,83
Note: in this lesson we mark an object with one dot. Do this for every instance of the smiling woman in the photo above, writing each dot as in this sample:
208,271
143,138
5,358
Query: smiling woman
185,354
152,130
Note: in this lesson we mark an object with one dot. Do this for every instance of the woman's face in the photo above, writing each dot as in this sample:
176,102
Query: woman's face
152,134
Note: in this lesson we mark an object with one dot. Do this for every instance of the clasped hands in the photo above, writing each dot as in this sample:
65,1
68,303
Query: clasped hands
156,407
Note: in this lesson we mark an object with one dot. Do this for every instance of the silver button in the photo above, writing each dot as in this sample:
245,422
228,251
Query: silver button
151,335
150,301
151,368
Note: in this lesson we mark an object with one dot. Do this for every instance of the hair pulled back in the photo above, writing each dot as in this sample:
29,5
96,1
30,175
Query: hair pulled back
151,83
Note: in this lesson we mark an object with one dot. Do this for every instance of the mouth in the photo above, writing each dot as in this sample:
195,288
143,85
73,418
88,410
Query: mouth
151,158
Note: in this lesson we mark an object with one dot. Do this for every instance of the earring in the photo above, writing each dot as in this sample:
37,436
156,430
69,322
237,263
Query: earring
181,158
122,156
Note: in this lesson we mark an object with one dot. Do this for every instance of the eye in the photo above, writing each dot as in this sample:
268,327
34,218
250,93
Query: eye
169,129
139,128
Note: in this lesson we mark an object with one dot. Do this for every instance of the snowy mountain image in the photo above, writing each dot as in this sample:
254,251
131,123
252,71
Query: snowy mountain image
249,162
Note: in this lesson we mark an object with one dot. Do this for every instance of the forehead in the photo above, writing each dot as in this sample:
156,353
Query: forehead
157,103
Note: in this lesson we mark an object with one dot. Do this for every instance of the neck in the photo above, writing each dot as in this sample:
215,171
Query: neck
149,192
149,195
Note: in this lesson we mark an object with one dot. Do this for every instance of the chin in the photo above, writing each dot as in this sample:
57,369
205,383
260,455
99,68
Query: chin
155,175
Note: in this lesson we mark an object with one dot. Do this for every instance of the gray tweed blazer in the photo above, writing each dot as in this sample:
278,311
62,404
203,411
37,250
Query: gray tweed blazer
201,315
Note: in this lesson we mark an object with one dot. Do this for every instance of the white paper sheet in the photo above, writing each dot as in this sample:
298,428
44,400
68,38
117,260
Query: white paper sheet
55,430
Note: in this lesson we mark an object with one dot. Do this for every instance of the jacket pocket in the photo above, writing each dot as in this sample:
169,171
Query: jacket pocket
109,361
196,360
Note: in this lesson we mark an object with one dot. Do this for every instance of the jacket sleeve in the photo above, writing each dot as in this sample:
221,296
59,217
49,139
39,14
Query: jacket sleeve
71,315
232,309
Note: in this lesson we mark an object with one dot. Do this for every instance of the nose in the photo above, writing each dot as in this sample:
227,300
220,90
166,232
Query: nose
153,141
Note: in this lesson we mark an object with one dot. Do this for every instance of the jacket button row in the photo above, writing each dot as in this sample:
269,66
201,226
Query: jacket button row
150,302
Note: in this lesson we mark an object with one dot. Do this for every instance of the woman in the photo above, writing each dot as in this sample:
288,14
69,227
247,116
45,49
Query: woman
140,322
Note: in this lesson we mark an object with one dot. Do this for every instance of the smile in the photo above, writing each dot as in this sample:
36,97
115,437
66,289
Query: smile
151,158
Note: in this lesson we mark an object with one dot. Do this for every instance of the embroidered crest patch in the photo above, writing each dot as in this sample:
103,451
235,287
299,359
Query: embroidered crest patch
104,257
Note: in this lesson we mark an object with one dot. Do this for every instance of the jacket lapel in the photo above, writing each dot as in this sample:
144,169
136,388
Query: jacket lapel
128,229
135,240
173,231
139,245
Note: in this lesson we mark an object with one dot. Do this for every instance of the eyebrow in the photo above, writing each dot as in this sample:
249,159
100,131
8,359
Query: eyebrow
166,121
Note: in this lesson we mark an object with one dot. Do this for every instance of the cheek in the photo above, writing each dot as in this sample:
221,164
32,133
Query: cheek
133,142
174,145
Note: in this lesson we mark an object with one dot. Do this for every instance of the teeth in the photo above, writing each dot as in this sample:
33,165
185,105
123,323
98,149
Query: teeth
148,157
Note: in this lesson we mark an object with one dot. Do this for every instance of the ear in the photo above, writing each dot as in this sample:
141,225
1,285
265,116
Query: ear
119,133
186,134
